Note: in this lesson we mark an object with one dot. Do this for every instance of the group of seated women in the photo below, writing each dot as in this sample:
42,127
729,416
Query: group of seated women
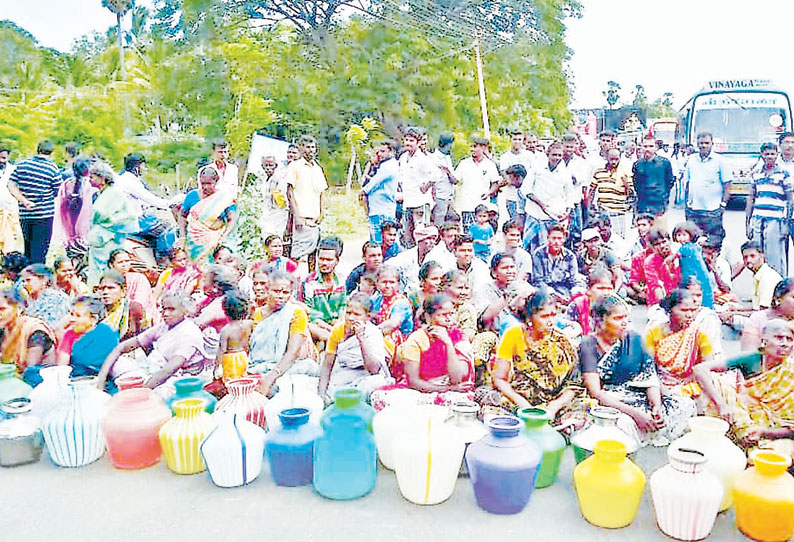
517,346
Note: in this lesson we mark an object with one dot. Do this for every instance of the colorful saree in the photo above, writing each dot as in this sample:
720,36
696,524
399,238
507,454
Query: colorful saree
675,354
14,345
206,224
113,219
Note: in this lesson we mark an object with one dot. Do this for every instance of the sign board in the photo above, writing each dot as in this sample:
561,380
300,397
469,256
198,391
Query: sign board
738,84
262,146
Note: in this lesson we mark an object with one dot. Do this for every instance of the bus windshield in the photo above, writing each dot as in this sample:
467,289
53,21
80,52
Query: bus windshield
741,121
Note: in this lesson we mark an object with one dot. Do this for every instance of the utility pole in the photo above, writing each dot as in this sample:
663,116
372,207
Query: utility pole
486,126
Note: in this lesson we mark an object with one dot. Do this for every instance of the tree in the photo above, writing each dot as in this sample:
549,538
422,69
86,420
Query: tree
612,94
119,8
640,100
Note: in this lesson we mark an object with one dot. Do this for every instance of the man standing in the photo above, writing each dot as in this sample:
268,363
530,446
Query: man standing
322,292
380,189
417,173
34,183
786,141
306,185
475,174
273,220
444,187
610,193
547,190
228,174
653,179
706,181
769,209
517,154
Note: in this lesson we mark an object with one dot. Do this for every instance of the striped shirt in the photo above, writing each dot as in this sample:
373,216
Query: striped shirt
611,192
771,190
38,179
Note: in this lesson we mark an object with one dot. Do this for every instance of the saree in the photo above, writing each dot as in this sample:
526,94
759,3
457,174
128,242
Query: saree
118,318
139,290
51,306
269,340
14,346
112,220
205,225
11,239
182,280
431,355
626,372
73,212
764,400
676,353
90,350
349,370
540,371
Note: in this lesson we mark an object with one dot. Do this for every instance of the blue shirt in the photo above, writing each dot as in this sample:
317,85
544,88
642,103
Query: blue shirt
481,235
770,193
381,189
704,180
560,273
38,179
691,260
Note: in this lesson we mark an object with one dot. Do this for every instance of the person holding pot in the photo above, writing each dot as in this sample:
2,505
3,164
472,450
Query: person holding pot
618,373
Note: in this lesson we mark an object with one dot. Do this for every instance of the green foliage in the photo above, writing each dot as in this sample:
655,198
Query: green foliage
195,69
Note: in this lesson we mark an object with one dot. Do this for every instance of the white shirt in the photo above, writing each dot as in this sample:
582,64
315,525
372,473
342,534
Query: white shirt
523,263
7,201
474,180
308,184
581,175
510,158
444,189
229,178
441,256
552,188
416,171
138,194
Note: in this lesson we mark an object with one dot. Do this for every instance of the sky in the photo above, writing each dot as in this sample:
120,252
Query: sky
664,45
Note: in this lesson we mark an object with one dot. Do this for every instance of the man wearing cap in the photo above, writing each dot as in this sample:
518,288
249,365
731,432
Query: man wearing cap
410,260
417,173
444,185
475,174
594,254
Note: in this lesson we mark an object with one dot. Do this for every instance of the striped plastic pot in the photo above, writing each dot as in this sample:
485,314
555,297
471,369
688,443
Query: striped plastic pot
72,430
181,436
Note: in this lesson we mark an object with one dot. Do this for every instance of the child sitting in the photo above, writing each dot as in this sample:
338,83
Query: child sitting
232,357
482,232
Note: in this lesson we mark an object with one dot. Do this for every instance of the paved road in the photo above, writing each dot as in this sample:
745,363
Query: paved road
97,503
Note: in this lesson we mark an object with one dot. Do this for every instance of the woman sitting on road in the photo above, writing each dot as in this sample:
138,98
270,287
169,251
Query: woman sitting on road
618,373
177,349
355,355
181,276
535,364
782,307
122,315
754,392
430,275
679,345
437,359
86,341
138,287
599,284
280,342
24,340
45,302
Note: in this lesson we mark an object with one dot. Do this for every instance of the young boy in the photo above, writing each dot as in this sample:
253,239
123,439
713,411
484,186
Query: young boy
482,232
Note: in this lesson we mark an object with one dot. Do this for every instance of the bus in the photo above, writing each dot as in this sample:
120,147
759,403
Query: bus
741,114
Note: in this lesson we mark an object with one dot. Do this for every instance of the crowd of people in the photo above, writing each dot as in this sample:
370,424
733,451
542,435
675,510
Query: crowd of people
509,280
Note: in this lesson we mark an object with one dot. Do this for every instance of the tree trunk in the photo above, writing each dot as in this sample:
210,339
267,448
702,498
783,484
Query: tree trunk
121,48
